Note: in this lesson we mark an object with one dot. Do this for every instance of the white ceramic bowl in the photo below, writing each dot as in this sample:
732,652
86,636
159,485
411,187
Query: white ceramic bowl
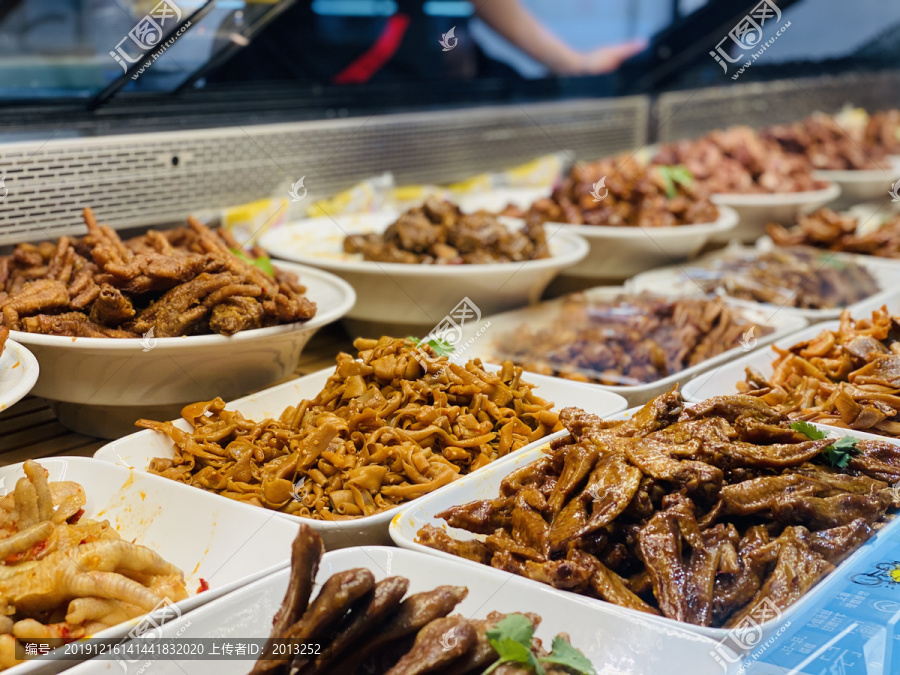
605,634
499,198
675,281
863,185
207,538
397,298
422,511
755,211
18,373
620,252
139,448
547,313
100,386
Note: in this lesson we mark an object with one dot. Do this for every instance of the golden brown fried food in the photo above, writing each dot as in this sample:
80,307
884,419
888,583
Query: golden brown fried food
186,281
849,377
389,426
63,577
698,513
830,230
630,195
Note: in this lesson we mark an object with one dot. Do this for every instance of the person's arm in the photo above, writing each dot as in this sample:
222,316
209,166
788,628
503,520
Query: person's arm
515,23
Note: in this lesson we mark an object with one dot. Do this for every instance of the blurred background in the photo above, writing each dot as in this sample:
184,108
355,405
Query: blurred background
348,56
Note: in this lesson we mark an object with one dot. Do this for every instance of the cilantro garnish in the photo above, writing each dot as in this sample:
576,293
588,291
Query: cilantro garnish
263,262
511,639
441,347
564,654
675,174
838,453
810,431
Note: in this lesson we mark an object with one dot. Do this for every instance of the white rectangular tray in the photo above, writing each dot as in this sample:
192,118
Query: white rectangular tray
207,538
617,643
139,448
672,280
422,512
546,314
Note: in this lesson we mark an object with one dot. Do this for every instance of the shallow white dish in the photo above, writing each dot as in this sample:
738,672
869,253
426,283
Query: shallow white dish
676,281
863,185
206,538
617,643
139,448
18,373
546,314
99,386
422,512
755,211
620,252
497,199
397,298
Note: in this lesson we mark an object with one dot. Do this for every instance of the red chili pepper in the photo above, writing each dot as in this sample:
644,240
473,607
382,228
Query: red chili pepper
74,518
204,586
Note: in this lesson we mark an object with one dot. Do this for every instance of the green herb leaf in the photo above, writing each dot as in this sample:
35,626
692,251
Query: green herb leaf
515,626
838,455
440,347
564,654
809,430
511,639
675,174
263,262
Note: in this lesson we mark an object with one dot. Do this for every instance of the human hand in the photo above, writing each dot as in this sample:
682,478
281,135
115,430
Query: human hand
608,59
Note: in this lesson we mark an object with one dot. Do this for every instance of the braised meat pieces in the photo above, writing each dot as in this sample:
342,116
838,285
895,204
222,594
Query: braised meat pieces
186,281
630,340
698,514
836,232
848,377
798,277
389,426
623,192
438,233
740,160
829,145
364,626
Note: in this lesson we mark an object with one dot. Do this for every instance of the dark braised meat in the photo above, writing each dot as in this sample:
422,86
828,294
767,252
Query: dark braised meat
739,160
827,144
630,340
833,231
438,233
848,378
622,192
798,277
186,281
367,627
686,515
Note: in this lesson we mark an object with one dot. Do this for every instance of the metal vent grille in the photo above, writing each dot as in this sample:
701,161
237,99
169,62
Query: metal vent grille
158,178
686,114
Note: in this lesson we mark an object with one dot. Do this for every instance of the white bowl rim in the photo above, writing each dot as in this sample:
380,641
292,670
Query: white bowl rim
31,370
579,250
767,199
857,175
322,318
727,220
